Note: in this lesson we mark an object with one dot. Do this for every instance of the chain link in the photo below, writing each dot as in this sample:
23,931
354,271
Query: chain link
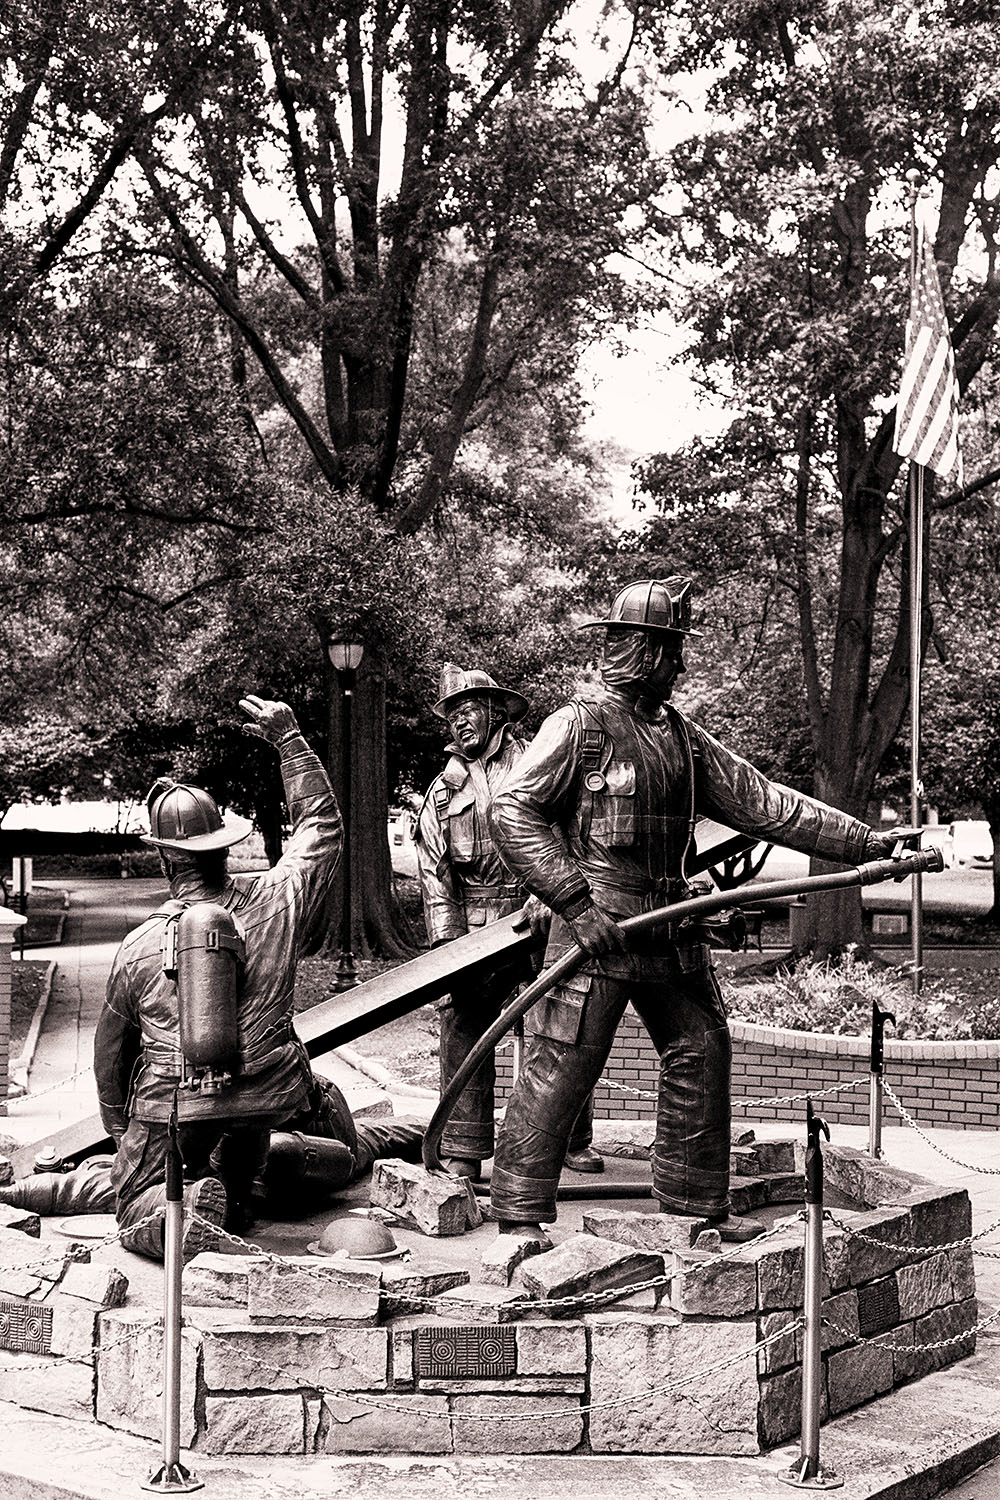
39,1268
878,1340
836,1088
78,1359
925,1250
51,1088
955,1161
526,1304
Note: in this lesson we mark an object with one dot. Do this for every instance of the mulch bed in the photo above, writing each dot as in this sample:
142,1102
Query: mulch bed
27,978
46,908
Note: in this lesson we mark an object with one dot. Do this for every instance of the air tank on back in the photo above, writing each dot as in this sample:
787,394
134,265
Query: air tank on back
209,955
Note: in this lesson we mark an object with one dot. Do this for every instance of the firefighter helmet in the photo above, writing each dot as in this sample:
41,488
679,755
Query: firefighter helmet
356,1239
652,604
185,817
457,683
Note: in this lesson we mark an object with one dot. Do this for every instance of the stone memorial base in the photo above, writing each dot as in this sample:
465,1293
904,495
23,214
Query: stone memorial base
474,1345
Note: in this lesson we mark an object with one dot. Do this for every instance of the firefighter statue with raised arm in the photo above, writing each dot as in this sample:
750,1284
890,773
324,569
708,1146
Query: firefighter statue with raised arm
464,886
200,997
596,820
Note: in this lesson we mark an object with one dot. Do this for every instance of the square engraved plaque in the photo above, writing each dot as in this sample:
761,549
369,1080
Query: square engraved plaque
24,1326
878,1307
479,1352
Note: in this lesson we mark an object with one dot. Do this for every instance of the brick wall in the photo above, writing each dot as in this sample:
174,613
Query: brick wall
951,1084
5,957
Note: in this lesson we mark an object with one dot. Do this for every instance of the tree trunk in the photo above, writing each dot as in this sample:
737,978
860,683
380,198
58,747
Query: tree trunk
834,919
377,925
268,815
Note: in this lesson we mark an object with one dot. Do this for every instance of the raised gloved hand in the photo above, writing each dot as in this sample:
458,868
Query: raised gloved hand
534,915
596,931
268,720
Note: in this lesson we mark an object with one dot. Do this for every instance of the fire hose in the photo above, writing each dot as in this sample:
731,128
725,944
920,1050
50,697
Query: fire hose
648,923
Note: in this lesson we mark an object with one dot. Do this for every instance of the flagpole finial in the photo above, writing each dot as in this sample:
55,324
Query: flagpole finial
914,181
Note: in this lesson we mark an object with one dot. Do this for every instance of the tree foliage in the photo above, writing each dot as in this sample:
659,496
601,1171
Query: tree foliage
790,210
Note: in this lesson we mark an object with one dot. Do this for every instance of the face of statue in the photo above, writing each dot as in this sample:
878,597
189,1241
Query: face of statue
660,682
471,723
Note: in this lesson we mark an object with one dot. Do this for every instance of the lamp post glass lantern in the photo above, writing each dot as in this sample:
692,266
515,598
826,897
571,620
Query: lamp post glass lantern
345,656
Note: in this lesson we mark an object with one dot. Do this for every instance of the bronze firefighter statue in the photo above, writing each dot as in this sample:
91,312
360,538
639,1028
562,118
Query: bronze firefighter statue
596,820
464,886
200,997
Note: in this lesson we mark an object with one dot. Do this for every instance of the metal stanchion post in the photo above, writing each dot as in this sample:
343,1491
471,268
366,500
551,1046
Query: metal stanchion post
518,1058
172,1477
879,1018
807,1473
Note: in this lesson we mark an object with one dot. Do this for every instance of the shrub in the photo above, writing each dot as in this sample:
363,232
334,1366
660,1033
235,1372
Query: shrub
837,998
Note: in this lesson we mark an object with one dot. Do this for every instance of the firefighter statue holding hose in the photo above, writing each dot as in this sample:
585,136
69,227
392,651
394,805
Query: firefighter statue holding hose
596,820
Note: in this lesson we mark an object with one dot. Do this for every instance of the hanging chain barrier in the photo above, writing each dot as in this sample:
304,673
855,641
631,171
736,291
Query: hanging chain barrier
878,1340
51,1088
583,1300
42,1268
924,1250
955,1161
619,1403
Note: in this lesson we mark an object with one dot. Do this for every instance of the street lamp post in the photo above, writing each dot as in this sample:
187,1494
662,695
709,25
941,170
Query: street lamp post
345,656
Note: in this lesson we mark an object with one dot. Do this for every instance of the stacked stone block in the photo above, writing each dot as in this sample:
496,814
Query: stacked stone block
543,1352
51,1301
899,1298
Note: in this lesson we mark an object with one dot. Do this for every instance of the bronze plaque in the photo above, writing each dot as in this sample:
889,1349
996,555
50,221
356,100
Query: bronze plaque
878,1307
480,1352
24,1326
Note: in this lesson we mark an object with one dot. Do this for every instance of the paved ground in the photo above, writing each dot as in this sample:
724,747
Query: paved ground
909,1446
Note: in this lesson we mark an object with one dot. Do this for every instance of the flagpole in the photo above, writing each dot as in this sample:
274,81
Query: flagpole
916,547
916,785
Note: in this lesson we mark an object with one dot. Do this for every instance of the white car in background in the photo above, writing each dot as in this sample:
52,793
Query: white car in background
402,822
971,842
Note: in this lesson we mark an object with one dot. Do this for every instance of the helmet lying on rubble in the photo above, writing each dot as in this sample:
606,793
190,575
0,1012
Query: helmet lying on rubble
356,1239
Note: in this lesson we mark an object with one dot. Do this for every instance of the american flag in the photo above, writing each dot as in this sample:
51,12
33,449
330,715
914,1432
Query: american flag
927,409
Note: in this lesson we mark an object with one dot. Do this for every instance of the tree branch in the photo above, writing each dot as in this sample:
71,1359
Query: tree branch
413,515
297,150
329,464
281,263
135,128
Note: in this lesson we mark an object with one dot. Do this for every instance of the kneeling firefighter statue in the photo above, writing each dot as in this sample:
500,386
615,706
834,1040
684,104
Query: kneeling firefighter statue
219,1039
321,1151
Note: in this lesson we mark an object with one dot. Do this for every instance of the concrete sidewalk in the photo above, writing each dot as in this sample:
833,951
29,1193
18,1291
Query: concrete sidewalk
911,1445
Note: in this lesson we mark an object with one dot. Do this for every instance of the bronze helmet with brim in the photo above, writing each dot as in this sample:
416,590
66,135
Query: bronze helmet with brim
188,818
458,683
652,604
